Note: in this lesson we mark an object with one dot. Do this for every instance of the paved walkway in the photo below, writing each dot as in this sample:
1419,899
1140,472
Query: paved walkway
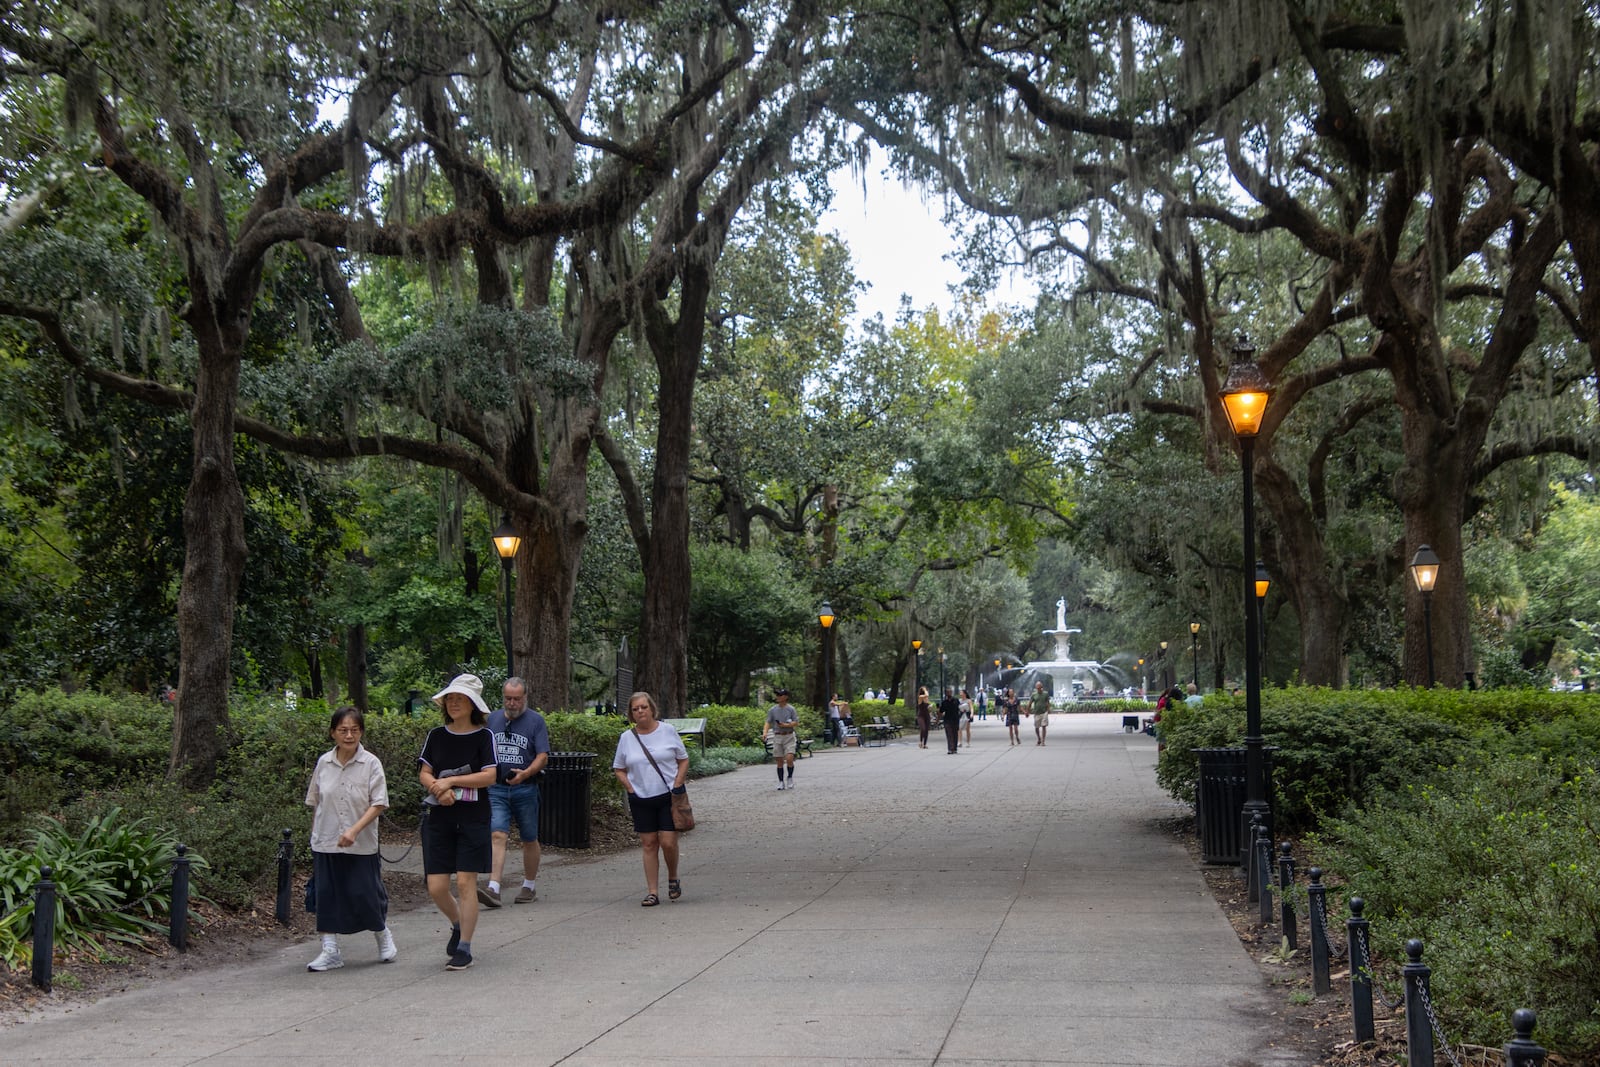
1004,905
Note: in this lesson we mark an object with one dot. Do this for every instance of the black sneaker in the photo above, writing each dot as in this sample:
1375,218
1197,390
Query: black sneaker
460,961
455,940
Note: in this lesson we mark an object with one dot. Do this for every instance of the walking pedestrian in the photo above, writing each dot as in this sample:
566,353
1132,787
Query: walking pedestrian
1013,713
924,716
643,754
521,748
782,721
950,716
456,770
983,706
347,794
966,718
1039,706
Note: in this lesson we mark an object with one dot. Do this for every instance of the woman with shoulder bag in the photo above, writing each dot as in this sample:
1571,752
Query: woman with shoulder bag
643,754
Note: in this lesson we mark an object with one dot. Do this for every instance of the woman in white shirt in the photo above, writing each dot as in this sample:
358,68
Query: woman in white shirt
348,792
644,756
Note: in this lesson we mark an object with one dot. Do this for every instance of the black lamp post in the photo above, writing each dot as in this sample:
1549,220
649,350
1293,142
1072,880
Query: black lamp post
1425,570
997,675
506,543
1142,686
1263,583
1166,668
941,672
916,669
825,617
1194,635
1244,398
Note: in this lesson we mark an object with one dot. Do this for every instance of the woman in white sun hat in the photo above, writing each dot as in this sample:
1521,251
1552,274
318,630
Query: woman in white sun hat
457,767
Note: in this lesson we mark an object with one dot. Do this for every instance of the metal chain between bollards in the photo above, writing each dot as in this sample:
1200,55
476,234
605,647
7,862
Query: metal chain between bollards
1372,977
1319,915
1438,1031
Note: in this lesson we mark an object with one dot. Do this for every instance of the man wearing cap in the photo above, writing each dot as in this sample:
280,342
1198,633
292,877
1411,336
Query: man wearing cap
782,720
521,748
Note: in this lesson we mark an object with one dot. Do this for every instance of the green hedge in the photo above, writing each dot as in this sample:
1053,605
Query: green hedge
71,758
1336,749
1496,867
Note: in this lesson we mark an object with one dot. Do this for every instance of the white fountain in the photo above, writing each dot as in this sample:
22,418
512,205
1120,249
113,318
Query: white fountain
1067,675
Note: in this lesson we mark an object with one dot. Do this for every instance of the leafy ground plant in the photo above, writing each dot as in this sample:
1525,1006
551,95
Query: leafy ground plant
112,879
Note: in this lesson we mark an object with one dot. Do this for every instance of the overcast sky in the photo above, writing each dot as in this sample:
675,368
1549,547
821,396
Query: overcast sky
900,245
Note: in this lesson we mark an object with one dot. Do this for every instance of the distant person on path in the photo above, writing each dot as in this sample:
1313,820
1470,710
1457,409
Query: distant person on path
457,769
644,756
835,720
966,718
1012,710
521,748
950,715
348,792
924,716
983,707
1194,696
782,721
1039,707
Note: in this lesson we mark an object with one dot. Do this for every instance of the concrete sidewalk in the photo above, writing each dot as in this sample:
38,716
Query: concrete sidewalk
1003,905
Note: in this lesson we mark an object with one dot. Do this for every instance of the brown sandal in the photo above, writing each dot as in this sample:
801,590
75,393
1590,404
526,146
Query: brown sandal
650,900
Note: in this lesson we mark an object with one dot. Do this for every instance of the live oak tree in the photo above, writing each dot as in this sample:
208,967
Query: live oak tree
1143,143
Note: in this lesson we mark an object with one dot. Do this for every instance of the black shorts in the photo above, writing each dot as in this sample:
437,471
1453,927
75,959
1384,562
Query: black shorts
652,814
449,845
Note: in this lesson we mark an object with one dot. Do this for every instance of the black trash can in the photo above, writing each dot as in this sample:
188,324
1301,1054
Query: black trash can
1219,798
564,791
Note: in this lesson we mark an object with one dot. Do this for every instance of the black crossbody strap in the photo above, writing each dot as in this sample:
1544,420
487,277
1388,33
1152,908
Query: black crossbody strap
652,759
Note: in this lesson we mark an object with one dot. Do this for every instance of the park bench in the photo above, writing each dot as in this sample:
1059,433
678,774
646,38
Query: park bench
801,750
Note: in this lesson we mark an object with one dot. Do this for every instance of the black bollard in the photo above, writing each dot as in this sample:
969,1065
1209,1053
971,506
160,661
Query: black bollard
1264,875
1419,1034
178,931
1321,976
1360,972
1252,874
44,930
1521,1050
1291,931
285,876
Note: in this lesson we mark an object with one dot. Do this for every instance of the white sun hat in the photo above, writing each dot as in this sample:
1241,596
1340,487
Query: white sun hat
469,686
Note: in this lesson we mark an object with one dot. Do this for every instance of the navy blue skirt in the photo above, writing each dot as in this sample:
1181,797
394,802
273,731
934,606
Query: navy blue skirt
350,893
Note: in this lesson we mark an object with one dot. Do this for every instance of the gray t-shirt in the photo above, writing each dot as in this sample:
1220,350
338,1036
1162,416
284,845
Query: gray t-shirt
517,741
782,718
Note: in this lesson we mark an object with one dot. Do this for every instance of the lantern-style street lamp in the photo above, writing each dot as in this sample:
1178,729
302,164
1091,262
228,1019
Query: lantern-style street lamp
916,668
1244,398
825,617
1263,583
1425,571
506,543
1194,635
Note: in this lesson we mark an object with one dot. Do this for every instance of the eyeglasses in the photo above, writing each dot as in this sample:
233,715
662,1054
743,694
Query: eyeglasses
347,730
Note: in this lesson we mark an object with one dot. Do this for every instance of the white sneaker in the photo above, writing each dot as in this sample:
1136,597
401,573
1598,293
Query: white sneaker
780,787
328,960
790,785
386,947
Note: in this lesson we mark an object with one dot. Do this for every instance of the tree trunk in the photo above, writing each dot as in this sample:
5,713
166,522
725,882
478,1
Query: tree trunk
664,623
355,665
1322,610
213,529
471,573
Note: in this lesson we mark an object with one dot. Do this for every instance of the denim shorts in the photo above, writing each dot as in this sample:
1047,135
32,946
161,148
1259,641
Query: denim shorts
515,801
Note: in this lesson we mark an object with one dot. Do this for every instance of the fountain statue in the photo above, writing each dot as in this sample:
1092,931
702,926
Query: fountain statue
1067,676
